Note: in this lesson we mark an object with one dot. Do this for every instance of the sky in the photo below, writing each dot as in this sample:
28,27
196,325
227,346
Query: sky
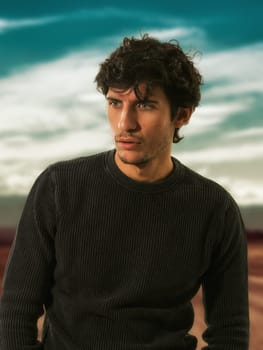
50,109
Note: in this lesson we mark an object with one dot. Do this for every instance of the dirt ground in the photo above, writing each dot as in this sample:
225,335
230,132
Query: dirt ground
255,262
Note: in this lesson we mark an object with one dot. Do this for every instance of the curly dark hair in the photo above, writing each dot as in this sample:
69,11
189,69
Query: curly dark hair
154,63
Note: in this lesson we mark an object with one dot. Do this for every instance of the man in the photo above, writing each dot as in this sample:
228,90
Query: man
116,245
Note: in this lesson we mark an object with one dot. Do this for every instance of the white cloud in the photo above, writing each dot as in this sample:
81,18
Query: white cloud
226,153
175,33
7,24
52,111
47,97
49,112
241,178
10,24
234,72
209,116
247,133
244,191
97,13
21,163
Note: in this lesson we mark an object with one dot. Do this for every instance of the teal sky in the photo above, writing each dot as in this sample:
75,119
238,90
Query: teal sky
50,109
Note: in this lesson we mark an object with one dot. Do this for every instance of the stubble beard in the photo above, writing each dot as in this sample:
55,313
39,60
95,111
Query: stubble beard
139,162
144,160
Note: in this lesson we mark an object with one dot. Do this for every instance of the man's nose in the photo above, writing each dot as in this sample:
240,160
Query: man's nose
127,120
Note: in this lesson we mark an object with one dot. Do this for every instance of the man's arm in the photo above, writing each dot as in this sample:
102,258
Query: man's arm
28,276
225,288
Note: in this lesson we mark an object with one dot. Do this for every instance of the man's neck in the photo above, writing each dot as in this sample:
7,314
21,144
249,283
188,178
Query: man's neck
151,171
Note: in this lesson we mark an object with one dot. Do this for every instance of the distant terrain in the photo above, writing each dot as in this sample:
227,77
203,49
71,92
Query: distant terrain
12,206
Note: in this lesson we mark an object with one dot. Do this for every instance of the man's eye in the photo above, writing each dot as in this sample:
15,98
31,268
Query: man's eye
114,103
144,105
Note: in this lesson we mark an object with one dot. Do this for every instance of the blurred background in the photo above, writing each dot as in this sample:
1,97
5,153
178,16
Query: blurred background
50,109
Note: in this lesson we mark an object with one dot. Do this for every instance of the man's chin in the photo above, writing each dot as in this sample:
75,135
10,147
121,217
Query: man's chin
131,160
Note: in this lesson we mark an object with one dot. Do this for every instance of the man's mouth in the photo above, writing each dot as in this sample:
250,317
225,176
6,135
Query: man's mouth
127,142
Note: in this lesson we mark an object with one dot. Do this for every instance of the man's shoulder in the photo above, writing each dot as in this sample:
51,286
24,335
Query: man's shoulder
77,170
80,163
196,178
207,186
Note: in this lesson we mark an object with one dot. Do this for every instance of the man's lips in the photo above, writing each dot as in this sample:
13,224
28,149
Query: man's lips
127,143
127,140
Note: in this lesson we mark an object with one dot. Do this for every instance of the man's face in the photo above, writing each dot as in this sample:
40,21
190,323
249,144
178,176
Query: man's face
142,129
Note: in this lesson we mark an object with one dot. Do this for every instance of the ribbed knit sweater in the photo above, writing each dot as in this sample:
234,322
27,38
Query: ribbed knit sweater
116,262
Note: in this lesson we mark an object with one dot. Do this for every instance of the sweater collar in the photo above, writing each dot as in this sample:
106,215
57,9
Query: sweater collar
165,184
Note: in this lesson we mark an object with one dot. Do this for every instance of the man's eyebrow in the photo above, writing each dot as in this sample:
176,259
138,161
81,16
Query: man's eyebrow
138,100
148,100
112,98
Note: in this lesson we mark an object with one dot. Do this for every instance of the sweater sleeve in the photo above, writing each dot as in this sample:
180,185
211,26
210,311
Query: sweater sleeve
225,288
28,275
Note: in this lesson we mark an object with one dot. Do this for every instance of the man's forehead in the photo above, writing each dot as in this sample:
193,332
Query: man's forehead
141,91
121,91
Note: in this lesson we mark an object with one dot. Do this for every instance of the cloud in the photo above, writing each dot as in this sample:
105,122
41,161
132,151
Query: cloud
99,13
49,112
241,178
7,24
52,111
234,72
223,154
176,33
243,190
247,133
11,24
247,192
51,96
208,116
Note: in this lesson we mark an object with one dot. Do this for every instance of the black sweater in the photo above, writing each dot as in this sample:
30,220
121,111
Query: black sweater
116,262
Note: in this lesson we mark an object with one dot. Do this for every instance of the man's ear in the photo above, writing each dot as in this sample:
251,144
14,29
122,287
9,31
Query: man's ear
183,116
